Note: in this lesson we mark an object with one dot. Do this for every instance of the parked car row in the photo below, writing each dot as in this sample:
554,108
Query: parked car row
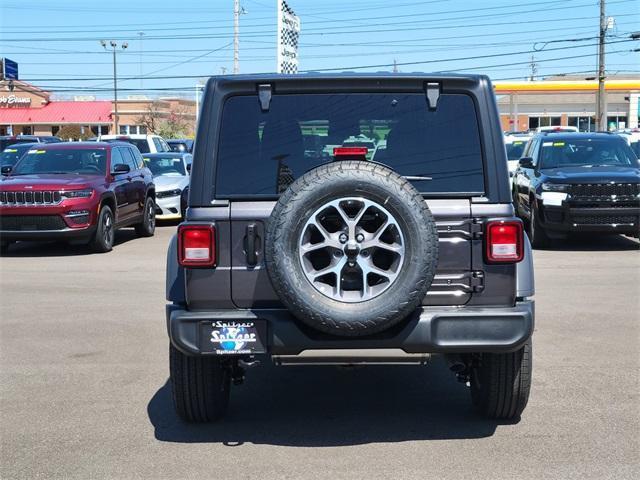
82,192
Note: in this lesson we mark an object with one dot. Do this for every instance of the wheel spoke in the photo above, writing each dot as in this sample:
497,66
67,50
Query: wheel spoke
330,240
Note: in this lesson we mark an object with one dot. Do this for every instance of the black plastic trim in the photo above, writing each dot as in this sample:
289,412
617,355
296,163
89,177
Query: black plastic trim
429,330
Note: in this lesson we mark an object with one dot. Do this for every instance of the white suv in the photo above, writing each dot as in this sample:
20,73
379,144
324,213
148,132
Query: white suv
145,143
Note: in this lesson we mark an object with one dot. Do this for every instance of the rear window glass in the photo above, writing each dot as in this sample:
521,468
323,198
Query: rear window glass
140,143
262,153
4,143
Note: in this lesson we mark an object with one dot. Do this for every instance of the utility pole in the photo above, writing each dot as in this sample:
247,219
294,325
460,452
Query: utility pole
395,66
236,35
534,68
141,34
114,47
601,100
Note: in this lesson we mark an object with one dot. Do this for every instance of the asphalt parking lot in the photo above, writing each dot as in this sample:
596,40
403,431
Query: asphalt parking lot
83,370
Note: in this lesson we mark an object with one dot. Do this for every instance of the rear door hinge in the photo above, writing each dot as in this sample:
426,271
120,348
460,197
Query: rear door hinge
476,282
476,228
432,89
264,95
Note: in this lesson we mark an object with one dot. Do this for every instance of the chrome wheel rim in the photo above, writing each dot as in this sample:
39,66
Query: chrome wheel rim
151,218
351,249
107,229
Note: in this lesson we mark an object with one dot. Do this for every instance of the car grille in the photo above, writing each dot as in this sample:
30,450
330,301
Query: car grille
47,197
590,191
604,219
31,222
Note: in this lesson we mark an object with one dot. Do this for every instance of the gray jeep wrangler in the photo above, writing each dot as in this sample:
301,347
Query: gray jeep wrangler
349,219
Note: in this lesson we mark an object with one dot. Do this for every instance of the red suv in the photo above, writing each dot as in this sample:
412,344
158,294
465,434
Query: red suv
79,192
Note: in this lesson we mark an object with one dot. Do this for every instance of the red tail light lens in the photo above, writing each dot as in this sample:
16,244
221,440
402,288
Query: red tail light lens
504,242
196,246
349,151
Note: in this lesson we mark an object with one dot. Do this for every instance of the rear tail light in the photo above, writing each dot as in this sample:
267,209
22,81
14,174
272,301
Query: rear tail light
196,246
504,242
350,151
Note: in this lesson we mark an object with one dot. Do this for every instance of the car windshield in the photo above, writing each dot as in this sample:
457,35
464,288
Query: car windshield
170,166
635,146
12,154
515,149
438,149
587,152
61,161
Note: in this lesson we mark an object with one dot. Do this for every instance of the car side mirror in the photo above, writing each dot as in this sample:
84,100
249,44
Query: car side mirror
526,162
121,168
189,167
6,169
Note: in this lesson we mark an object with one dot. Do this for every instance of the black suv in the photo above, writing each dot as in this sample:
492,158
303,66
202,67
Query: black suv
577,182
302,247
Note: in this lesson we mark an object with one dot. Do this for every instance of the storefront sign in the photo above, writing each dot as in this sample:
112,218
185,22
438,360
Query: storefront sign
14,101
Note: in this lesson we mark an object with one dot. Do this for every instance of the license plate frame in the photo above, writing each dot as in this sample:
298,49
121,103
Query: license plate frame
233,337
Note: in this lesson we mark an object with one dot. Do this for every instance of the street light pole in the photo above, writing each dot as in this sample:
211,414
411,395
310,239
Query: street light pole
114,47
601,101
236,35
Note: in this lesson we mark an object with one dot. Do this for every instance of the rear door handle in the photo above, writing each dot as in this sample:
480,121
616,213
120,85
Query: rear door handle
251,254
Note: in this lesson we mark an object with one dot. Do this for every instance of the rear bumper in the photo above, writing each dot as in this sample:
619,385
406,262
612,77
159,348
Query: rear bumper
429,330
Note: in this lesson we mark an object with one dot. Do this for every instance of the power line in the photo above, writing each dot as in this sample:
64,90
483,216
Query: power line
258,58
347,68
331,21
330,31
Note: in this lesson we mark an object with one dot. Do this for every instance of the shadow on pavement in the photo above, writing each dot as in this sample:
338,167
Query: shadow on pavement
595,243
330,406
64,249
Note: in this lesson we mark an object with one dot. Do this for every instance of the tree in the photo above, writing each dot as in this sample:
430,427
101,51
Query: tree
176,124
152,118
169,125
74,132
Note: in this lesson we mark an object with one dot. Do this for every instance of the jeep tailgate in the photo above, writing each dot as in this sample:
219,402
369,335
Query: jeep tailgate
454,284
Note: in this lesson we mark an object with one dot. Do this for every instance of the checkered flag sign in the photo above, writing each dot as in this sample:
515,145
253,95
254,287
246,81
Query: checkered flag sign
288,33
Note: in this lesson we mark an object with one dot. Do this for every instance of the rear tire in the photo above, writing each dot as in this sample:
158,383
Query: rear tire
4,247
200,386
537,235
102,241
500,384
147,227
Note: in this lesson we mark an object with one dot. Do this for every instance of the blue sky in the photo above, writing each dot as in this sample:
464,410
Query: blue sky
58,49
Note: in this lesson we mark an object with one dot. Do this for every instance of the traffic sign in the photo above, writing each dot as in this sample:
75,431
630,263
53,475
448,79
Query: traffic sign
9,69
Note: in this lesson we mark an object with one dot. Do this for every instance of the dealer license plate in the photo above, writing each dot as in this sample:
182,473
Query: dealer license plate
230,337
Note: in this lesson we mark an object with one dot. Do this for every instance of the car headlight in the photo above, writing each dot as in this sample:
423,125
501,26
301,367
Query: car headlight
77,194
555,187
170,193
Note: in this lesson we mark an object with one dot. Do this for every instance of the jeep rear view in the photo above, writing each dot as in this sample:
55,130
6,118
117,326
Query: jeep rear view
345,220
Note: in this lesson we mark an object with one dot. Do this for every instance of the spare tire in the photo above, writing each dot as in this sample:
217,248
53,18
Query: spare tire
351,248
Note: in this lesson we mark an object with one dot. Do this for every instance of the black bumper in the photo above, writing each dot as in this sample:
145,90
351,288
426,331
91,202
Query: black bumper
75,234
429,330
576,218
